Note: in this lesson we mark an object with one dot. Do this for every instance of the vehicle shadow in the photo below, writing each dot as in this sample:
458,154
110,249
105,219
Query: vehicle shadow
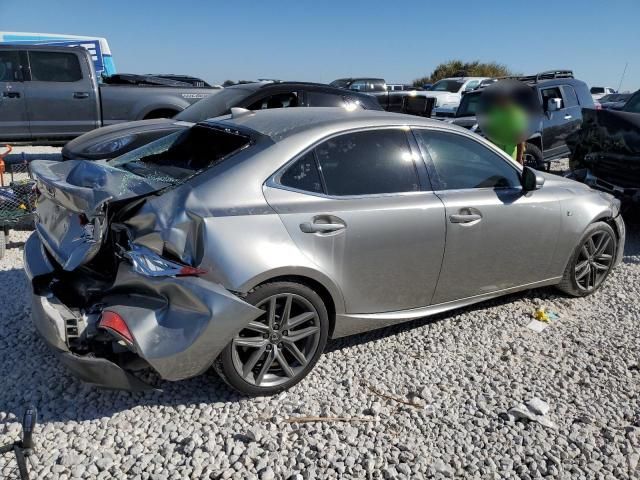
31,374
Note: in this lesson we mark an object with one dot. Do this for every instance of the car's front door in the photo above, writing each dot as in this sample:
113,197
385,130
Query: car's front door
14,123
498,237
555,122
360,209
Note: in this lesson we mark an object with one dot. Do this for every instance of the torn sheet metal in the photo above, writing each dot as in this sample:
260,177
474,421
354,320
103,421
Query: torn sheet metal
608,145
180,325
70,216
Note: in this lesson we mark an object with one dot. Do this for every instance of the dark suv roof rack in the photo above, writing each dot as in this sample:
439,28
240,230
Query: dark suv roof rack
546,75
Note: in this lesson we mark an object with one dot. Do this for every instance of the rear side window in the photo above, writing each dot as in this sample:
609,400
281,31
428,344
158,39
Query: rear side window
570,97
55,67
324,99
303,175
462,163
367,163
9,66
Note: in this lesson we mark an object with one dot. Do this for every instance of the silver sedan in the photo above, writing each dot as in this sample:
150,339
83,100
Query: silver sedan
247,241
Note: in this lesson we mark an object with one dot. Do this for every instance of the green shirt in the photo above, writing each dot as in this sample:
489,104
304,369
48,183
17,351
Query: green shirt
506,125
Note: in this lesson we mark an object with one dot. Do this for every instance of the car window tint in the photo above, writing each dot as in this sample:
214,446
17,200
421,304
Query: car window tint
548,94
278,100
570,97
324,99
366,163
358,85
461,163
55,67
9,66
633,104
303,175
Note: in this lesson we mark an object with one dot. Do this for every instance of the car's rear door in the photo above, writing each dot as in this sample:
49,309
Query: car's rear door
498,237
556,123
61,94
572,114
14,123
359,206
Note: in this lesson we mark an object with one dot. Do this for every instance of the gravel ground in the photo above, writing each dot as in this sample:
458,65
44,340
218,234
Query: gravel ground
423,399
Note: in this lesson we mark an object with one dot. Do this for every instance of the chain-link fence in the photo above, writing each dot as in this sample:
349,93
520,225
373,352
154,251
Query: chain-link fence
17,193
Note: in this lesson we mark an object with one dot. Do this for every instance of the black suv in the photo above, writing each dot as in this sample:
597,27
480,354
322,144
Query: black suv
114,140
562,98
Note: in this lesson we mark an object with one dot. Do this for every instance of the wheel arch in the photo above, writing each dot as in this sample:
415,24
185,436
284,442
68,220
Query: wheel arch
331,296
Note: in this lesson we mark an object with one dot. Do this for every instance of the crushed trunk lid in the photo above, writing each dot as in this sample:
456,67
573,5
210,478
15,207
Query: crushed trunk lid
71,206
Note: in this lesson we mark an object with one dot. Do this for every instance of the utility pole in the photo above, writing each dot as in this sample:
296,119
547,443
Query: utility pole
622,77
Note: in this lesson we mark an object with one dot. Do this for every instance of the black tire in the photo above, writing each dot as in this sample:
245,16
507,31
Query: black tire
570,284
3,244
229,362
533,157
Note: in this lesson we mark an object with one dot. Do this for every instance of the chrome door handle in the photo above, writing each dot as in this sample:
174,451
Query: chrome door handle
80,95
465,218
568,117
308,227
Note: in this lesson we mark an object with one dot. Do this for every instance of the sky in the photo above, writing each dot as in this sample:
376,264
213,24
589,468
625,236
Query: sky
324,39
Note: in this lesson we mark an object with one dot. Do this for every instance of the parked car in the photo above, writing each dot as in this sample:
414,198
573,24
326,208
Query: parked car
52,93
614,101
109,142
390,100
605,152
562,98
598,92
448,93
245,242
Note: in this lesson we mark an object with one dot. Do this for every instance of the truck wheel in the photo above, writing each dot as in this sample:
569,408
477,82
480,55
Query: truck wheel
533,157
279,348
3,243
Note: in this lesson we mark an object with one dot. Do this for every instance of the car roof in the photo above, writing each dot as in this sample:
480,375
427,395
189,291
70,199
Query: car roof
288,84
280,123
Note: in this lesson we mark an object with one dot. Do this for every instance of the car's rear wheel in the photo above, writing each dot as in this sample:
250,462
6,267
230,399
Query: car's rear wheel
279,348
591,262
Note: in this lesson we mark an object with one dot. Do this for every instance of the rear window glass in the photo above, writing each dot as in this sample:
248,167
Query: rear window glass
182,154
55,67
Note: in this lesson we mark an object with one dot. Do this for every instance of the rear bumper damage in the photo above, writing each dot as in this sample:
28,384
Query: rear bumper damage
179,325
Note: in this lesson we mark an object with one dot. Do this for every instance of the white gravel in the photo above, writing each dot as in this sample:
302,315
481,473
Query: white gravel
456,376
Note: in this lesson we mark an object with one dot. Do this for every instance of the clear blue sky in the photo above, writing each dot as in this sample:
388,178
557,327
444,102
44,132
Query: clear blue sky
323,40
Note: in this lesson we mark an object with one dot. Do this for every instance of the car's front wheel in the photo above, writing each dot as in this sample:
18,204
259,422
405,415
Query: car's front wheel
279,348
591,261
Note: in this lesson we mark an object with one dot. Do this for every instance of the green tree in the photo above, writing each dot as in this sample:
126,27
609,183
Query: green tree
458,68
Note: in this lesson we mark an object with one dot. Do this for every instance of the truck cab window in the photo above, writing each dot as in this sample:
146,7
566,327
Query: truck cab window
9,66
54,67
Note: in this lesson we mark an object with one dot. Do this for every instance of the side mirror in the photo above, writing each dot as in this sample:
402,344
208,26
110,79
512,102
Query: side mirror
554,104
531,180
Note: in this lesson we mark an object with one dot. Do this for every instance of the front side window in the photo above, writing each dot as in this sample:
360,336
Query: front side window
548,94
55,67
367,163
9,66
460,162
278,100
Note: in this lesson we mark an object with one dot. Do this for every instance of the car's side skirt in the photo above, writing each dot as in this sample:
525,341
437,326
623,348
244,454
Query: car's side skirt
350,324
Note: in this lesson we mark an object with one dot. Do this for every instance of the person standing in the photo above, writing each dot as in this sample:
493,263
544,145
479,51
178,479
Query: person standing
506,127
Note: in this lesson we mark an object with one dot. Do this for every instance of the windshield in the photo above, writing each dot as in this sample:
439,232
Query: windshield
182,154
468,105
214,105
451,86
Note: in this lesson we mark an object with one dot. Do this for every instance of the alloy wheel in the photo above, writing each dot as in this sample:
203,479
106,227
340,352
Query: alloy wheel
594,260
277,346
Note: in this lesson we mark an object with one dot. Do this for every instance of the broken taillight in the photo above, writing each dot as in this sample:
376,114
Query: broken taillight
115,323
